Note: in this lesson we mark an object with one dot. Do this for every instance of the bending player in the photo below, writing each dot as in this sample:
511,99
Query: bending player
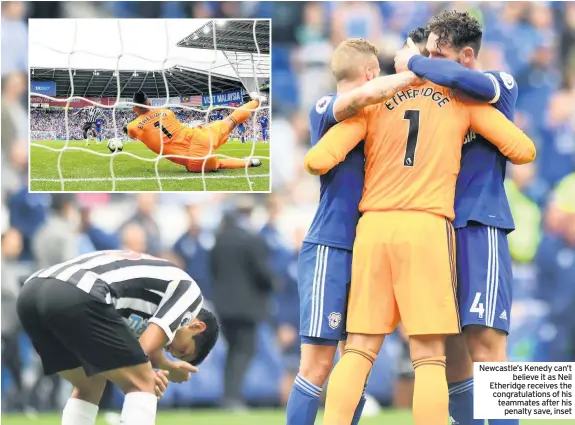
89,121
482,213
324,264
405,235
162,133
107,316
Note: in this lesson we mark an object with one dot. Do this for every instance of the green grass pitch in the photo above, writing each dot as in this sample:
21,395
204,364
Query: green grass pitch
85,172
256,417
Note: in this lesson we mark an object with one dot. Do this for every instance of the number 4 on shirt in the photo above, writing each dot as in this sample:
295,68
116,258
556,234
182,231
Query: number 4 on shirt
477,307
412,135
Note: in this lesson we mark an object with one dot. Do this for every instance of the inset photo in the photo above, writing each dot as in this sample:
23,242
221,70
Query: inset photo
140,105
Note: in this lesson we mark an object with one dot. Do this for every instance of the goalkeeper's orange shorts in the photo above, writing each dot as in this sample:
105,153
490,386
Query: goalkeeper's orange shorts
199,141
403,270
195,143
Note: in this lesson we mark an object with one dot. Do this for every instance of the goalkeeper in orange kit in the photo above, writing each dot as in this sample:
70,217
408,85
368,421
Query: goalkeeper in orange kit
162,133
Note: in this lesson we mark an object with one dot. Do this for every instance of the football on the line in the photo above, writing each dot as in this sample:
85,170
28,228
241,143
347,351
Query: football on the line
115,145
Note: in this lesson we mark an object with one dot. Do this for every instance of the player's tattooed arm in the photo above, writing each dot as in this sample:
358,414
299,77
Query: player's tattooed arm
375,91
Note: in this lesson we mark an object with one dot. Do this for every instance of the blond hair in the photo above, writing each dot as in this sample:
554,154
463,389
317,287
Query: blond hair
349,55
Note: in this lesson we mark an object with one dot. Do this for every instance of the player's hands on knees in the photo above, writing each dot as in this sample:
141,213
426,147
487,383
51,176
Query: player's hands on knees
180,371
161,383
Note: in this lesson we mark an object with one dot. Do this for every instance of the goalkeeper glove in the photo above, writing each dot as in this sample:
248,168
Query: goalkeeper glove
259,97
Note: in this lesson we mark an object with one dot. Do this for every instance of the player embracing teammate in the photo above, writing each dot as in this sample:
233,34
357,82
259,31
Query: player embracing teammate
482,213
410,183
324,264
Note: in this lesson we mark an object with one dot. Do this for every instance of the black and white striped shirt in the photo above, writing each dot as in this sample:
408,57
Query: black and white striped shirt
144,289
92,114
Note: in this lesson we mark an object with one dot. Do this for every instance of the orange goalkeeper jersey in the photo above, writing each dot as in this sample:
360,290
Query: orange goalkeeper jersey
413,148
148,129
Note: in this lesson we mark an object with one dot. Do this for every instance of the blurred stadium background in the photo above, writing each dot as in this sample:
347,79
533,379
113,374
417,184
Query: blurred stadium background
535,42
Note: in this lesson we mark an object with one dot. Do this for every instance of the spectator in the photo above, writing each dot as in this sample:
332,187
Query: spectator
134,238
98,239
144,216
14,115
28,213
13,272
556,276
14,38
313,56
193,250
242,282
523,241
557,147
57,240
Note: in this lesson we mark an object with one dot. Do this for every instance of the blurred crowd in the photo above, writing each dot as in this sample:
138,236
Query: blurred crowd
50,124
535,42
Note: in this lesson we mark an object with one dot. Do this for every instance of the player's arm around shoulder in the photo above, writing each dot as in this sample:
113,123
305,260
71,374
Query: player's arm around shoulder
374,91
334,146
495,127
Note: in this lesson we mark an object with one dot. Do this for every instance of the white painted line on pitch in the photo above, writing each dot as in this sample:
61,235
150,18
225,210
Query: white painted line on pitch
108,179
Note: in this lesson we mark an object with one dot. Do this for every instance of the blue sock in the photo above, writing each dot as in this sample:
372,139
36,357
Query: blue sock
461,403
359,409
503,421
303,402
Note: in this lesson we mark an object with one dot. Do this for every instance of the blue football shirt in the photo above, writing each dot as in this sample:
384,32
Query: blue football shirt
263,121
336,218
479,193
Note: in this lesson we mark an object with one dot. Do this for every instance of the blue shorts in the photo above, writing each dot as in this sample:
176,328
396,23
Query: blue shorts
98,130
324,276
484,277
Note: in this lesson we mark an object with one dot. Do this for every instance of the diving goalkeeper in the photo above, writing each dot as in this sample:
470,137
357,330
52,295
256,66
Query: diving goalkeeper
162,133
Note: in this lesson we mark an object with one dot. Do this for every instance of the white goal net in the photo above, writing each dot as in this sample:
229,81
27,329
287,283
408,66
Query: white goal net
161,56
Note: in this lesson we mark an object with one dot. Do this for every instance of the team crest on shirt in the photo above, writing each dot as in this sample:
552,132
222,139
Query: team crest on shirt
334,320
322,104
507,80
186,319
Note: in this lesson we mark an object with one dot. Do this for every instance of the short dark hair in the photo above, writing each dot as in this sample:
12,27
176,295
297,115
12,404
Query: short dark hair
140,97
206,340
459,29
418,35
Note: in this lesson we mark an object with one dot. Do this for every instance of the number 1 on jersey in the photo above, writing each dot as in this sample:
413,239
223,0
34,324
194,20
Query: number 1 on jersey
164,130
413,133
